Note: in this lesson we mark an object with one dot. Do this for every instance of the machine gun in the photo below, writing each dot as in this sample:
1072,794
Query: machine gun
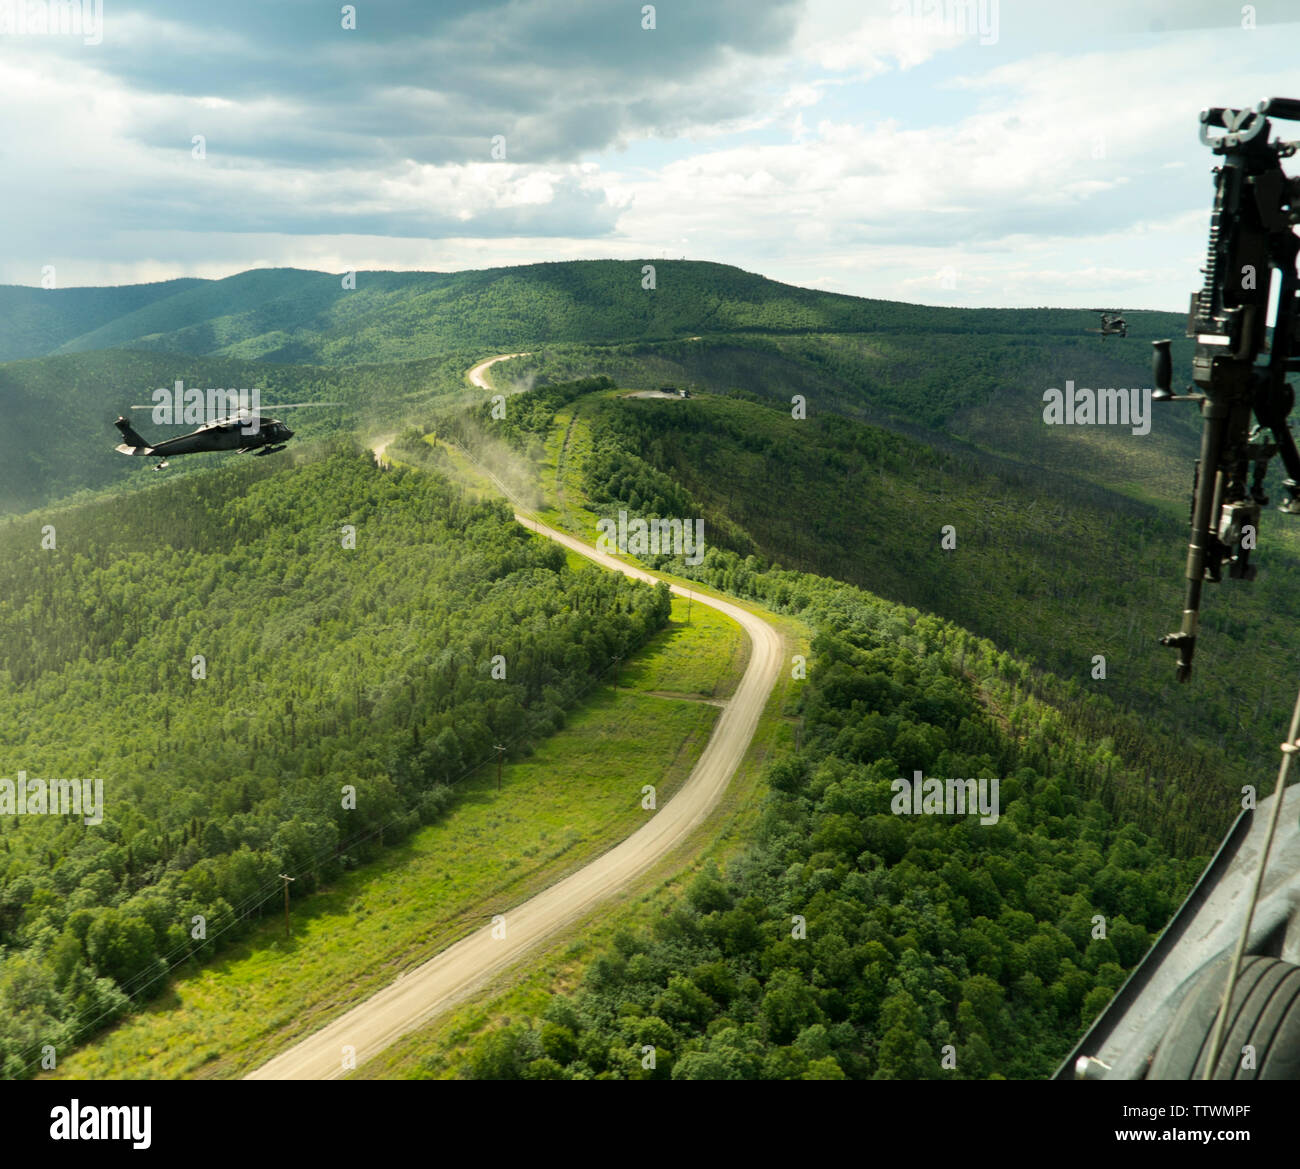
1200,998
1252,232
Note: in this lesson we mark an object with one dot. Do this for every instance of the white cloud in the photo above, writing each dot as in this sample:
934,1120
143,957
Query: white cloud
867,39
1044,175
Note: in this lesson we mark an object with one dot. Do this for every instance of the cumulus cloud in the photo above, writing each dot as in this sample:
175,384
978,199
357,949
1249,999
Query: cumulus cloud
858,144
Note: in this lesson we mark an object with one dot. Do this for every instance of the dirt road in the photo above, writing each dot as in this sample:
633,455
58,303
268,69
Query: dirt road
458,971
477,374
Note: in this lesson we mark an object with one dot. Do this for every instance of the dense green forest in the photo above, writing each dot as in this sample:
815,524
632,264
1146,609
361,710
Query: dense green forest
850,942
230,654
1054,574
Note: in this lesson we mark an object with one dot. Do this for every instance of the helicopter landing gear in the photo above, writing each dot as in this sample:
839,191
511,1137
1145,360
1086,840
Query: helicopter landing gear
1262,1039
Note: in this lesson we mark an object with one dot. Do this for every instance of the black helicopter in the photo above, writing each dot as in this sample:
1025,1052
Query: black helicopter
244,430
1112,323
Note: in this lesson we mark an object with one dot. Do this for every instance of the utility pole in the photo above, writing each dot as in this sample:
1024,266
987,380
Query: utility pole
286,881
689,598
501,750
617,660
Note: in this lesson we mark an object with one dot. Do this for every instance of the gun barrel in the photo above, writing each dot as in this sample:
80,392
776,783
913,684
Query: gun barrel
1209,489
1286,108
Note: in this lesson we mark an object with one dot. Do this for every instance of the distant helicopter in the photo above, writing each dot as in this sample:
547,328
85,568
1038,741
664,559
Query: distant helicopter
244,430
1112,324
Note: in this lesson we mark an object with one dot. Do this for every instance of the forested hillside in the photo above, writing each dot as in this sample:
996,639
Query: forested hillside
1050,567
37,321
850,942
230,654
398,345
980,394
929,939
326,665
289,315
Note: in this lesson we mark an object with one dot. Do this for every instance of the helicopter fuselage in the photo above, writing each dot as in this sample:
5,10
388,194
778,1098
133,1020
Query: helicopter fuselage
225,434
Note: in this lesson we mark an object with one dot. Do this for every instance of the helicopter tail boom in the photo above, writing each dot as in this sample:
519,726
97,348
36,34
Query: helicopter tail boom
134,445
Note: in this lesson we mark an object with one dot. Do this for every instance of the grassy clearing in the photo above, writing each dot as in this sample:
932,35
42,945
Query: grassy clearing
564,502
566,449
460,468
709,665
440,1050
575,797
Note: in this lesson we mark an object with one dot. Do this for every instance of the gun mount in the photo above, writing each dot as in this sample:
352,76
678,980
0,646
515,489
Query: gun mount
1252,233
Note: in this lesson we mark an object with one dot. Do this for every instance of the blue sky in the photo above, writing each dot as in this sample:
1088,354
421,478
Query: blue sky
1037,152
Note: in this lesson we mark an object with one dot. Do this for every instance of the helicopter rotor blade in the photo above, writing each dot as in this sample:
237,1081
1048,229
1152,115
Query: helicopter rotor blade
262,408
158,406
297,405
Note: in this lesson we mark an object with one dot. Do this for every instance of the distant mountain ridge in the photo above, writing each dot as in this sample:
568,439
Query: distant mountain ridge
289,315
402,341
35,322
